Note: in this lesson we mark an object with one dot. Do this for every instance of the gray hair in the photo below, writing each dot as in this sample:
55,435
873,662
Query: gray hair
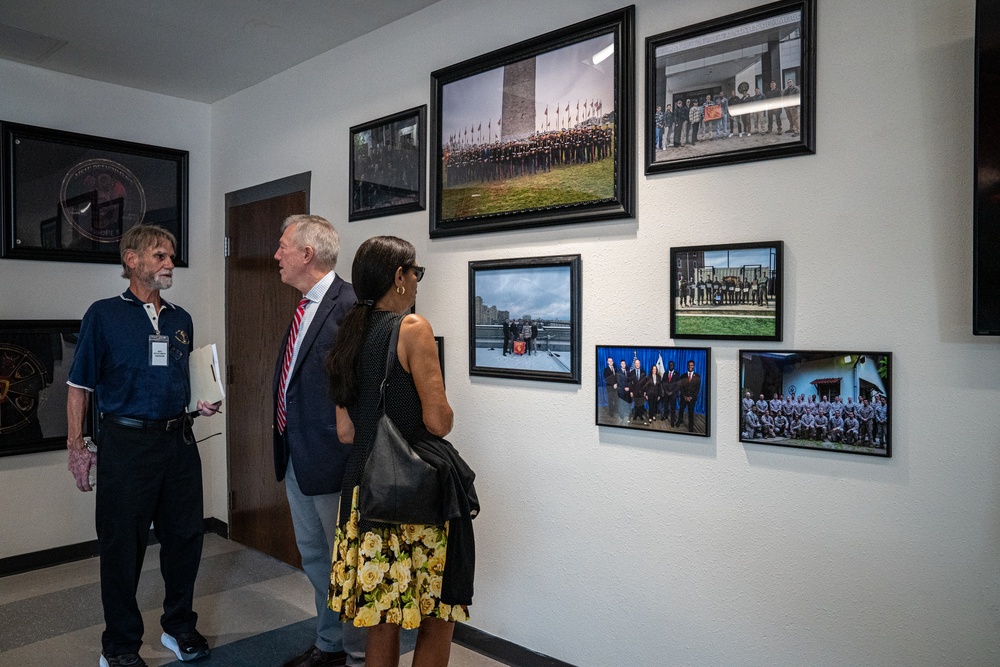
317,233
142,237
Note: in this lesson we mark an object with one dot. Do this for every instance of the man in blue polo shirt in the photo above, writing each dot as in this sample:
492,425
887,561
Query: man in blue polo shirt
133,352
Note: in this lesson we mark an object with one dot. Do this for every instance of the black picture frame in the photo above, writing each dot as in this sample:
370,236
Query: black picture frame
616,402
543,168
986,207
720,58
539,291
35,358
98,189
730,291
861,374
389,165
439,340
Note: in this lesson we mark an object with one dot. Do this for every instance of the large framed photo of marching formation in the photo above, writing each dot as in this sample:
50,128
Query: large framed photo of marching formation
664,389
728,292
525,317
35,358
836,401
538,133
733,89
388,165
70,197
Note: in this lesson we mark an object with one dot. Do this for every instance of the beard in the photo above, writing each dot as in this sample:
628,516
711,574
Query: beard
153,281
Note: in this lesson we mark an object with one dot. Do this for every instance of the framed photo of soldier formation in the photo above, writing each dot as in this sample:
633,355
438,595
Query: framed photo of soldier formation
35,357
664,389
69,197
525,317
538,133
728,292
835,401
388,165
733,89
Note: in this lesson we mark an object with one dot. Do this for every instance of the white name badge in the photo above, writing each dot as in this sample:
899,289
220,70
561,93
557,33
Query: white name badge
159,350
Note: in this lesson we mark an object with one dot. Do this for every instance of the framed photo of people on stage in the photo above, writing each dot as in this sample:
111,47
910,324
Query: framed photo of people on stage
525,318
834,401
662,389
733,89
35,358
726,292
70,197
388,165
538,133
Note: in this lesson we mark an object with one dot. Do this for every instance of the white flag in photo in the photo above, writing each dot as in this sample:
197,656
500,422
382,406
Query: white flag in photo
659,365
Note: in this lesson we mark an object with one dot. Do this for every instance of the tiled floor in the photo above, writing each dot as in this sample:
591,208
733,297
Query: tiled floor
53,616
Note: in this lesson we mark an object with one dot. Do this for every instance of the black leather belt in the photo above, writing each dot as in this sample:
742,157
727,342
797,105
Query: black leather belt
146,424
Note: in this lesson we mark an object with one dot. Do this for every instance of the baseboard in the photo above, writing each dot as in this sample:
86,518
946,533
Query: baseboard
38,560
502,650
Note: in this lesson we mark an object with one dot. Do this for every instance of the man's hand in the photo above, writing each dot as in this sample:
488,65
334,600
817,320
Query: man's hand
208,409
80,461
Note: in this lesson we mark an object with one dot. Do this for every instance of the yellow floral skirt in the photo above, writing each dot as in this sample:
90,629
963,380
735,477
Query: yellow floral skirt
391,575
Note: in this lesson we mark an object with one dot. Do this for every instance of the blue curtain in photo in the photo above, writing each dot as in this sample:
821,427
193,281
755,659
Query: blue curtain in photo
648,357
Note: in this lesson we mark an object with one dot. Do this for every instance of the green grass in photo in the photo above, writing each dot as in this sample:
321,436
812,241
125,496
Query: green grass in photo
725,326
563,185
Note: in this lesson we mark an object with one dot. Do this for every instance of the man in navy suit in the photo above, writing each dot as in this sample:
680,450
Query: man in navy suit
307,453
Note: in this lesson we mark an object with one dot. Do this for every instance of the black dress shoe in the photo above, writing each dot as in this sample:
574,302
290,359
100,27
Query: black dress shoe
313,657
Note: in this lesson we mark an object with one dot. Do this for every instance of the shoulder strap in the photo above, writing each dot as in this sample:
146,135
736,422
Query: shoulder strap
390,357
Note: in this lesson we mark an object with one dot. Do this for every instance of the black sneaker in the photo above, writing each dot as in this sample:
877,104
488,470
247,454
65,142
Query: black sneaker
187,646
123,660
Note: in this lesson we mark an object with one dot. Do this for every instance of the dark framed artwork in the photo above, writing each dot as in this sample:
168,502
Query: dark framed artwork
70,197
35,358
388,165
728,292
525,317
836,401
745,83
664,389
439,340
538,133
986,209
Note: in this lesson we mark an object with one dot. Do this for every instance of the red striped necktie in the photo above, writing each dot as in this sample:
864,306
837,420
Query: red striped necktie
286,364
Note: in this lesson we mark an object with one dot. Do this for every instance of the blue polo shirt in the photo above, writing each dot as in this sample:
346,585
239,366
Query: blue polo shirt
112,359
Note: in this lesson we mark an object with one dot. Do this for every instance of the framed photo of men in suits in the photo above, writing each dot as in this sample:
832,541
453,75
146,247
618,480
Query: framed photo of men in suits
663,389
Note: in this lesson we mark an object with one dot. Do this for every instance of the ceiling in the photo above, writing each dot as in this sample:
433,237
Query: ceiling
202,50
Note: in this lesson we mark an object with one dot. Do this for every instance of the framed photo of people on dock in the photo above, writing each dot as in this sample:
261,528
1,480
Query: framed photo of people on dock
726,292
733,89
388,165
835,401
525,318
661,389
538,133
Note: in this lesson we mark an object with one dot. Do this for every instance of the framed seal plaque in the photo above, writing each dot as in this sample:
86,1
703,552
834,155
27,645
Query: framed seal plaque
70,197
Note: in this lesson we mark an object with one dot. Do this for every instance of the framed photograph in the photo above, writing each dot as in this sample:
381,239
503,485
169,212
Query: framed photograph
986,204
524,318
35,357
837,401
734,89
440,346
70,197
728,291
665,389
388,165
538,133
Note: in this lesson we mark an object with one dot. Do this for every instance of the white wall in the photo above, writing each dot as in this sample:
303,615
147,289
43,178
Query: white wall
41,507
601,546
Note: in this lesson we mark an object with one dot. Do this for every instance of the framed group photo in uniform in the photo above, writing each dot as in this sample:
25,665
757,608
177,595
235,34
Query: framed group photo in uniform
538,133
70,197
662,389
727,292
525,318
388,165
733,89
834,401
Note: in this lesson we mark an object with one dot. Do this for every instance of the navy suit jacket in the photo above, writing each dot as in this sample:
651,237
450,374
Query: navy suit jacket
310,437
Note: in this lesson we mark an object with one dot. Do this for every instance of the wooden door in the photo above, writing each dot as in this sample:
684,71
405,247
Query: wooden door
258,311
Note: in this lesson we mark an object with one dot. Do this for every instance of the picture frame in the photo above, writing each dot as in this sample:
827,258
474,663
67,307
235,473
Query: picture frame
439,341
677,405
502,157
986,154
730,291
733,61
97,188
818,380
525,318
388,169
35,358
